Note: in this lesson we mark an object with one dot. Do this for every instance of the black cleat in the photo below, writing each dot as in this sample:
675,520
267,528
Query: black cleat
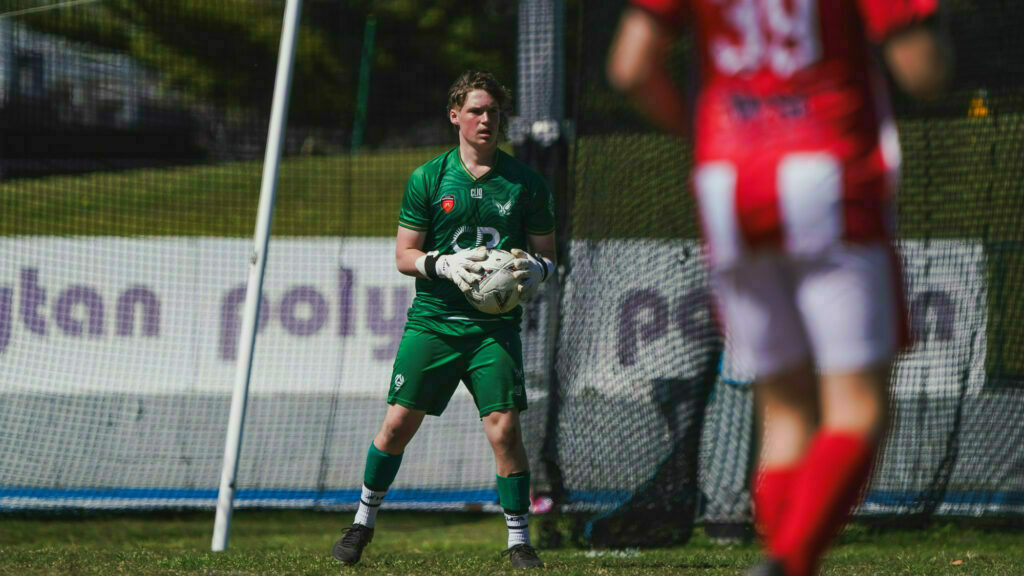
349,549
523,556
767,568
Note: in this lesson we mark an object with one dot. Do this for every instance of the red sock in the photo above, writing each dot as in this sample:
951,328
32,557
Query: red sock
826,487
771,498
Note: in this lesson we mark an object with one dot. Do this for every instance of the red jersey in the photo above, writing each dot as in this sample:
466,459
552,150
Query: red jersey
789,93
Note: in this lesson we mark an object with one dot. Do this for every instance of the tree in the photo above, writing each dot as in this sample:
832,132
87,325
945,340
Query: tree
224,53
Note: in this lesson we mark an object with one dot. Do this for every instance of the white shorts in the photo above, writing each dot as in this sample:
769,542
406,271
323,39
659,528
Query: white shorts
841,308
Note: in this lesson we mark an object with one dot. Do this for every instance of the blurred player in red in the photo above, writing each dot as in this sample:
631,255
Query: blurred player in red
796,159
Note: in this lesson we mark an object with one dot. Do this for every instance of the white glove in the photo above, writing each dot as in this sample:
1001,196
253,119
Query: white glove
461,267
531,272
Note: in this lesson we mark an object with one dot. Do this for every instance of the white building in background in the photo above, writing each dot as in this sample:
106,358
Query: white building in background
87,86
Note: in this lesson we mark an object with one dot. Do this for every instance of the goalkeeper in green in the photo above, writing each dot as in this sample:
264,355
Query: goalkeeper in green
457,206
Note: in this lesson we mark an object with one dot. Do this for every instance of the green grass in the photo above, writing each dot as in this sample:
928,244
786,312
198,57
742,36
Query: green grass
299,542
316,196
961,179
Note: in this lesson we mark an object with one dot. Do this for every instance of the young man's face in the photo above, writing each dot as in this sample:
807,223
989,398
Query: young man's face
478,120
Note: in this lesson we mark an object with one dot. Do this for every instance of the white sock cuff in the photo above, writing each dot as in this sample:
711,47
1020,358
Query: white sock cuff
517,520
372,498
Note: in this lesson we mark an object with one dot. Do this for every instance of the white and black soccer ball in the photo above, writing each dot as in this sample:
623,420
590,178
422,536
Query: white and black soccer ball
497,292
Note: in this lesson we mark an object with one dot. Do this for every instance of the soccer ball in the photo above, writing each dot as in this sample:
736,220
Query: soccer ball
497,291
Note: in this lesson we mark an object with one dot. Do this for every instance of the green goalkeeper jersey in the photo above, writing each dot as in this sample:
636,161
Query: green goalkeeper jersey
459,212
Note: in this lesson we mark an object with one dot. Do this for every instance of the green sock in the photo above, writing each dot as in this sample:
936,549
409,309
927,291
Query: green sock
381,469
514,492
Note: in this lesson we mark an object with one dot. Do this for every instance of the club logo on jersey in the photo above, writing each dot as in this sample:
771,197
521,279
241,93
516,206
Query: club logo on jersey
399,381
476,192
477,236
447,202
505,208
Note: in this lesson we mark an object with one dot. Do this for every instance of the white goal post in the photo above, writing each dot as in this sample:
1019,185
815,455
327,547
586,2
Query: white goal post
257,266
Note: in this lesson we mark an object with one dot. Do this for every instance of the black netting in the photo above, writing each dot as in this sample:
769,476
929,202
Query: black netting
132,139
954,444
132,135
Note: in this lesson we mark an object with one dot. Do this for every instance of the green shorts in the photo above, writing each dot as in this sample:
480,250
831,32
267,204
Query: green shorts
429,366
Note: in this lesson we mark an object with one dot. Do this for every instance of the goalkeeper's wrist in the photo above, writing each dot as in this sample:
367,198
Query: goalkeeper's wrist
546,265
426,265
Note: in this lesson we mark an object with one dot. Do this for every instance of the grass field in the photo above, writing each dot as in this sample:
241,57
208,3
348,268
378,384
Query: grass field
961,179
345,195
299,542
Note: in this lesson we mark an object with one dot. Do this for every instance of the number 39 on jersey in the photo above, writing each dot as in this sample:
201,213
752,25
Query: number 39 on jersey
779,35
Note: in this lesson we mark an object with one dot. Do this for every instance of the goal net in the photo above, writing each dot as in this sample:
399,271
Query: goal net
132,137
637,355
131,144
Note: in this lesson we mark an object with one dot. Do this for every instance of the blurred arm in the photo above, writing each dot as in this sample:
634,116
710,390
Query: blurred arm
409,247
918,58
544,245
636,67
